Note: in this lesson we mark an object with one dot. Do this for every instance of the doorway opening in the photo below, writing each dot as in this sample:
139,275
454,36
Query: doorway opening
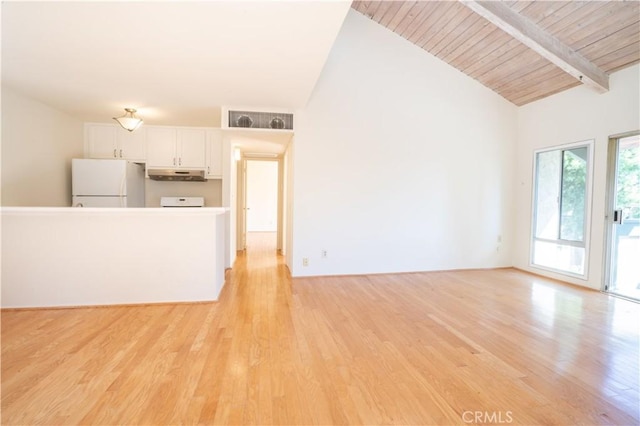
260,187
261,205
622,269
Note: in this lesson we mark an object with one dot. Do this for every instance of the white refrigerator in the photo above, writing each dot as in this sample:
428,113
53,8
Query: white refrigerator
107,183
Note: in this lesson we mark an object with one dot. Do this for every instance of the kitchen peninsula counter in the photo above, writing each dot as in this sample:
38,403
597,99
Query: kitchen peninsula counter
54,257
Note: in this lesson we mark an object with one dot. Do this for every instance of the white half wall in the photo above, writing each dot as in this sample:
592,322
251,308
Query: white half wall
38,143
402,163
575,115
101,256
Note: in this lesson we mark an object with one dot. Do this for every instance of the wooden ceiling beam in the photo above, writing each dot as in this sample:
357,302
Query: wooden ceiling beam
540,41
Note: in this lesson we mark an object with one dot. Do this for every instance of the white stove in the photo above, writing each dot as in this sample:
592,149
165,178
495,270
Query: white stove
182,201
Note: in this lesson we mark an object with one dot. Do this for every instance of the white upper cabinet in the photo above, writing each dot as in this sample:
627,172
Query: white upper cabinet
214,155
191,148
161,147
132,145
169,147
101,141
112,142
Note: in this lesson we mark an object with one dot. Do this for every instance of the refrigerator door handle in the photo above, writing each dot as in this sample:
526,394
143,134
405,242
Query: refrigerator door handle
123,182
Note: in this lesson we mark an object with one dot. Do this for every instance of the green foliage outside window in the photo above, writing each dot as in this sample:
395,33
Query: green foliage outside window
574,192
628,192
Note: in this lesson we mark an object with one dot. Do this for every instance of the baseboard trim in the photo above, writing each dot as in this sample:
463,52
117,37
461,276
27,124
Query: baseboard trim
497,268
115,305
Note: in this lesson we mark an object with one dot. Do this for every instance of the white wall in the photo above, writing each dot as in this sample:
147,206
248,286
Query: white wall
402,163
574,115
229,199
38,143
287,193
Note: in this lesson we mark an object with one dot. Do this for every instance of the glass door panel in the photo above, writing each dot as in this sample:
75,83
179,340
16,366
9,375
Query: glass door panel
624,219
561,194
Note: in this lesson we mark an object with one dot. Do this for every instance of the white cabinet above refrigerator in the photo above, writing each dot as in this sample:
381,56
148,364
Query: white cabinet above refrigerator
109,141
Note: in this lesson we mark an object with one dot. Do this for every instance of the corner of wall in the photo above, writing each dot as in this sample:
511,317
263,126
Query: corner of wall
38,143
574,115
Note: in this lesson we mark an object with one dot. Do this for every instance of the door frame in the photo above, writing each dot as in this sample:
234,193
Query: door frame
242,200
610,200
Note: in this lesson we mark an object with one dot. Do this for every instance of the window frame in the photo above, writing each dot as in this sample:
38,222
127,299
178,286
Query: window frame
586,243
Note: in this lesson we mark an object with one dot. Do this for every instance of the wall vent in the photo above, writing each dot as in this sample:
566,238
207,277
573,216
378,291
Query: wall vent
260,120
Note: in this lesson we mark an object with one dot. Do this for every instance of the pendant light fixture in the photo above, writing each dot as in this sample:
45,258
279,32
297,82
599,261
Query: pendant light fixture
129,121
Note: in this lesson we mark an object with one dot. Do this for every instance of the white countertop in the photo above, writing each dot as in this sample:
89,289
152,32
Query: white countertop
142,211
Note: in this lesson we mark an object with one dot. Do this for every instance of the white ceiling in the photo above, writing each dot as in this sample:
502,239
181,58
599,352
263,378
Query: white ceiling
176,62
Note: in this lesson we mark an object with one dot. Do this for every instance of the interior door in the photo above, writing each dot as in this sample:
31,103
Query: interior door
623,265
262,196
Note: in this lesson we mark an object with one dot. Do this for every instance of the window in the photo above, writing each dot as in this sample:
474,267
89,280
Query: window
560,208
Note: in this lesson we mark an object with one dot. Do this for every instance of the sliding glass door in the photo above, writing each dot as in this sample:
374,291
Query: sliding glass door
623,218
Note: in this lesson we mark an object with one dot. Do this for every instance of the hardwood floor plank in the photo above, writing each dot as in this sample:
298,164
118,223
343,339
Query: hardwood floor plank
419,348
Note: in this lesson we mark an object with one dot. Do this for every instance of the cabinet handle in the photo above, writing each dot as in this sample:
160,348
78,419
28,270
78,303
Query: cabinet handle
180,161
120,153
174,161
208,170
114,153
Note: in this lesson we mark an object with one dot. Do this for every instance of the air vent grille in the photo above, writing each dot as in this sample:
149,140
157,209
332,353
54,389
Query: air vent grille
261,120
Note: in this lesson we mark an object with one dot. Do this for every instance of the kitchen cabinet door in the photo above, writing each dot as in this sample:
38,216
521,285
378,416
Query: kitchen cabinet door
101,141
161,147
192,148
132,145
214,155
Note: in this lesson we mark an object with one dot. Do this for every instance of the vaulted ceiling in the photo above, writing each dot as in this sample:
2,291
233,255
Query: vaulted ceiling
177,62
522,50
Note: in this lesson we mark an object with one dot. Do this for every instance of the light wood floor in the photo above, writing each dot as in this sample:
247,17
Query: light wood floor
425,348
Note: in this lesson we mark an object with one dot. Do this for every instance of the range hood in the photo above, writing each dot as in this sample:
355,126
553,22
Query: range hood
176,175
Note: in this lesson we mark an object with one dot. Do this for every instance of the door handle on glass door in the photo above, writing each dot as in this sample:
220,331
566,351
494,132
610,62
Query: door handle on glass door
617,217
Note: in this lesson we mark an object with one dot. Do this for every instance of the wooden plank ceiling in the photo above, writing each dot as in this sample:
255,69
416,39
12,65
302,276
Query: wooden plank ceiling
605,34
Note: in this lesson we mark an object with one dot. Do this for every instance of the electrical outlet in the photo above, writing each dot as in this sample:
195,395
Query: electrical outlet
305,261
323,254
